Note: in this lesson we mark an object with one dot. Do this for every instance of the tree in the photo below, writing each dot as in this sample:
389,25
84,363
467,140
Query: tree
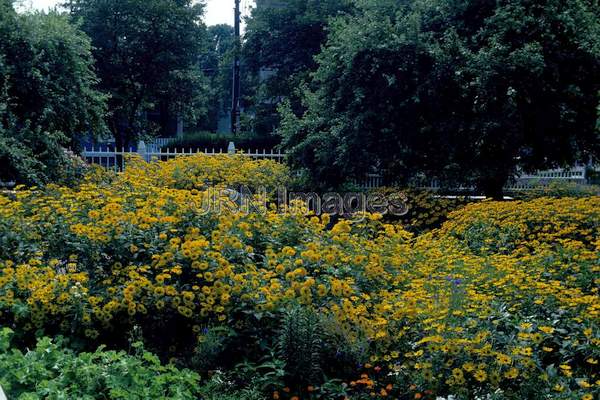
147,56
216,64
48,95
282,41
470,92
537,68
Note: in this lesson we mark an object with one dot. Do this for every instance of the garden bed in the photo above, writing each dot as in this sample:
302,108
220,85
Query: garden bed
501,300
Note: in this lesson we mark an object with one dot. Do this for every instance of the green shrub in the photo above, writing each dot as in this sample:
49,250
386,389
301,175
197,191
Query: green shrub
48,96
51,371
221,387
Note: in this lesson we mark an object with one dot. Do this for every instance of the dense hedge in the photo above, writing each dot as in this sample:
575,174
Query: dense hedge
206,140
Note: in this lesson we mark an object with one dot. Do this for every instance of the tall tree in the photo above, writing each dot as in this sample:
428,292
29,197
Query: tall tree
278,53
216,64
48,95
147,56
470,92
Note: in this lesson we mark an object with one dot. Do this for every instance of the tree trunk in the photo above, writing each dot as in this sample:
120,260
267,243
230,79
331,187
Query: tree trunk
493,187
120,136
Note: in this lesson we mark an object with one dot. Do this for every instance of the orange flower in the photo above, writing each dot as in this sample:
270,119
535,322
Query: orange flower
276,395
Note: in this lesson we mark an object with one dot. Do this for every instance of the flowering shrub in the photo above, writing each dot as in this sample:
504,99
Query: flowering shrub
502,299
424,209
202,171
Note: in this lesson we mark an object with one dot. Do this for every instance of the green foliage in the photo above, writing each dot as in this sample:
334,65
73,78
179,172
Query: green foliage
266,374
48,78
483,238
34,157
212,345
283,41
465,91
216,64
47,96
51,371
300,345
17,158
147,56
220,387
220,141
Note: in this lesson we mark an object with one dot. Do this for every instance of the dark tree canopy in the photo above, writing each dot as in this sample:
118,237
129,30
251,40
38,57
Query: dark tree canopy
469,92
48,95
216,64
147,55
281,43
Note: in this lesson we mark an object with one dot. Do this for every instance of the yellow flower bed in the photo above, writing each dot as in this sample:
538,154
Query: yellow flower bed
202,171
503,297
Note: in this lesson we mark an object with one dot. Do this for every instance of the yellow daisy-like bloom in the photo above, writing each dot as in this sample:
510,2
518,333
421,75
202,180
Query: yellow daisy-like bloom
503,359
480,375
512,373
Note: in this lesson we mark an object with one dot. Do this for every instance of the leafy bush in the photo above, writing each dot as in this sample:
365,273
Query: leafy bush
222,387
18,161
51,371
33,157
201,172
47,96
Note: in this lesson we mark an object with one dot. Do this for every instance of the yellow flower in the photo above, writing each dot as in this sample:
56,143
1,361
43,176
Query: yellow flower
546,329
559,388
503,359
480,375
512,373
468,366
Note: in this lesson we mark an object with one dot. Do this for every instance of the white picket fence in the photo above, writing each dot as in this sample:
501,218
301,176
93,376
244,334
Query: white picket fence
527,181
114,159
523,182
